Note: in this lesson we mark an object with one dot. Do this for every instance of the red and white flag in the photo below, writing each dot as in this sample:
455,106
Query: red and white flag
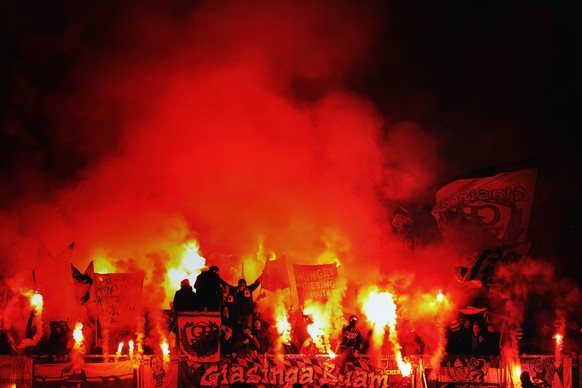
487,212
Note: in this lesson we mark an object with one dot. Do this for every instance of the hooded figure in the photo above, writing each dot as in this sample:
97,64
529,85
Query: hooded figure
185,299
208,287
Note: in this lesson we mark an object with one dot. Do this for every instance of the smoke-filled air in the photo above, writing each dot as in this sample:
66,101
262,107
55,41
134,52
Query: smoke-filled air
162,139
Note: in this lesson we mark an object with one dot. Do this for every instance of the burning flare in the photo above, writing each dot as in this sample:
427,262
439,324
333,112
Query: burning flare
380,310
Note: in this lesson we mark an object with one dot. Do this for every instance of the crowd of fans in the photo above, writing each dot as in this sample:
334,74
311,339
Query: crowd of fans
242,330
472,337
244,333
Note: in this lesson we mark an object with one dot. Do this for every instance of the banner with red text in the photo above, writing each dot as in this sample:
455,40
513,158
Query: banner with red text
315,283
119,298
269,371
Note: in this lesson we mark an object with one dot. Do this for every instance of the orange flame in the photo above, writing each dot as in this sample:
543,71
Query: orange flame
78,335
283,325
78,347
165,351
37,301
516,373
120,348
190,266
440,296
560,325
380,310
319,318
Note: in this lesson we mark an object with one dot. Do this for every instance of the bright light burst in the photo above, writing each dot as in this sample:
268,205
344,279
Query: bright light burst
120,348
165,346
78,335
380,310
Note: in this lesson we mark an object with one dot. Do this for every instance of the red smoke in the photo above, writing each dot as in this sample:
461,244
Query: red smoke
233,125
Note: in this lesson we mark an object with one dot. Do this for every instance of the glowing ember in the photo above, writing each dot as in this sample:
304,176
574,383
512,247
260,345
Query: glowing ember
558,339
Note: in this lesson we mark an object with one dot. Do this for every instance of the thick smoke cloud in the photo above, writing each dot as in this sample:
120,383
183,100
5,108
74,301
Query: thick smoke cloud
297,127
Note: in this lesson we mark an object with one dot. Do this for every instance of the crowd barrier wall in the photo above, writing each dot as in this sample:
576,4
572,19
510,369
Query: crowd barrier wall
270,371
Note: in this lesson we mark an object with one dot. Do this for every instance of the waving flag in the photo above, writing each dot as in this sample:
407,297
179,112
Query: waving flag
275,276
83,283
486,212
485,263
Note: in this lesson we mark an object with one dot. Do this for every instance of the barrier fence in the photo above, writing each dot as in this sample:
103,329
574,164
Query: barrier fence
270,371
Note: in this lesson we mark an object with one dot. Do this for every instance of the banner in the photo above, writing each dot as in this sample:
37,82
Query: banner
89,374
269,371
483,213
16,371
315,282
469,371
545,373
199,336
275,276
118,298
159,374
273,371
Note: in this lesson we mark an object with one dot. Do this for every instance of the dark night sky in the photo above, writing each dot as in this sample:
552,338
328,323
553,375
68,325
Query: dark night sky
102,103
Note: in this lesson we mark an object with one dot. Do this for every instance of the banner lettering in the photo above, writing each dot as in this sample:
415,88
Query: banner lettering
315,282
